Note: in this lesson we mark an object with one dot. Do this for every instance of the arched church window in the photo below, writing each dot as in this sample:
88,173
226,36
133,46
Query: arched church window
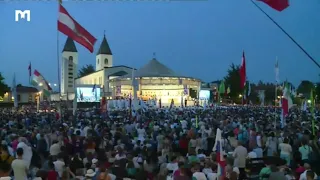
70,59
105,61
98,61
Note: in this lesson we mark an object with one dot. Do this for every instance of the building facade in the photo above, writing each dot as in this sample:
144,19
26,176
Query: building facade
24,95
156,81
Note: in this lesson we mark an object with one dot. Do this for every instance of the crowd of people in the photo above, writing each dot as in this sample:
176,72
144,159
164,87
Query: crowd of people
159,144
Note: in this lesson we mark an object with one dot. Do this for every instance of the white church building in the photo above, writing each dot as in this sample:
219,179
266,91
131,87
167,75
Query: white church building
104,70
154,80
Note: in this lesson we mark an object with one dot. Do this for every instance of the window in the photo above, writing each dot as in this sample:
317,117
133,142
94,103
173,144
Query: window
70,69
30,98
19,97
70,73
105,61
70,59
98,61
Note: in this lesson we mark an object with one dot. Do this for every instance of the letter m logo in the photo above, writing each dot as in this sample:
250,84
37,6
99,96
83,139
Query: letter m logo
22,15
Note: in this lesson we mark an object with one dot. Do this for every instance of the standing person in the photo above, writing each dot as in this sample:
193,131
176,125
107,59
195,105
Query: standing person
240,153
27,150
286,150
20,166
305,150
59,165
272,144
42,147
307,168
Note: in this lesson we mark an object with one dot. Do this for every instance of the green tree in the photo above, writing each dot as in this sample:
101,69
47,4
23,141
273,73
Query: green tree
232,80
305,88
3,86
85,70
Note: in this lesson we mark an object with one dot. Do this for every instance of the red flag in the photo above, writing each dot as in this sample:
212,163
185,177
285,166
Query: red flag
242,72
278,5
71,28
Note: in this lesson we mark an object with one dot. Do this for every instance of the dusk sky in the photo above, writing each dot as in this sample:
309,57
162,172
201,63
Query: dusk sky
194,38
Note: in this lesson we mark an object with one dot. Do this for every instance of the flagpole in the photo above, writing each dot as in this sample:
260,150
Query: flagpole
29,73
288,35
275,105
275,92
58,55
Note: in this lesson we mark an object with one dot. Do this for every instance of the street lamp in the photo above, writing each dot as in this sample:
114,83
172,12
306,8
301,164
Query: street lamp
240,95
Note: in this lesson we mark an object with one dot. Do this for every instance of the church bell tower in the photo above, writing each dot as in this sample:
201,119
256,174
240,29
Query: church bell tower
69,67
104,55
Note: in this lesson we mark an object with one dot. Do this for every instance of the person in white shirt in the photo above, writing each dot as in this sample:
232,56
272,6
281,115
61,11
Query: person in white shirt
27,150
201,155
252,154
259,141
59,165
173,165
285,150
85,131
197,174
120,155
20,166
55,148
141,133
184,124
307,167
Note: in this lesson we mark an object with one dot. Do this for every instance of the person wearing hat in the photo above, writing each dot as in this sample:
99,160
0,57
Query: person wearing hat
90,174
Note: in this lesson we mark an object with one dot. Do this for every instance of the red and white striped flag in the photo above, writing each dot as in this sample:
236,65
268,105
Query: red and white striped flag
71,28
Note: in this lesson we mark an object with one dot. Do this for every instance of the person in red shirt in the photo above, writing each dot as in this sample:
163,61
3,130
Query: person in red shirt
183,144
236,131
300,169
52,174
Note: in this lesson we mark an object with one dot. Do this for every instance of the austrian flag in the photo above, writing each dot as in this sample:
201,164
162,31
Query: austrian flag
71,28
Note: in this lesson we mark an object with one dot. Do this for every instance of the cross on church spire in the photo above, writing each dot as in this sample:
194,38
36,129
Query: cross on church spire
104,33
154,55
